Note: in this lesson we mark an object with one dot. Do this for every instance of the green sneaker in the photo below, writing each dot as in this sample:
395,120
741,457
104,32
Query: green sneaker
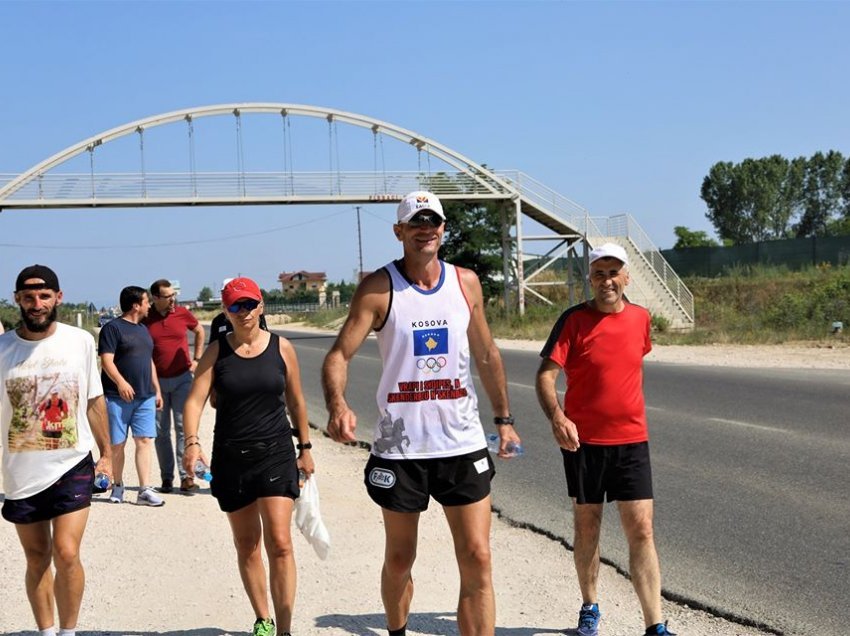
264,627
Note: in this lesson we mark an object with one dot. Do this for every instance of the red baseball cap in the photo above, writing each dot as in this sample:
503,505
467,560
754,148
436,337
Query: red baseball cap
240,288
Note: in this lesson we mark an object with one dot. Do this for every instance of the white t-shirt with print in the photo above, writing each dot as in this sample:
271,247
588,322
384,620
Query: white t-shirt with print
45,386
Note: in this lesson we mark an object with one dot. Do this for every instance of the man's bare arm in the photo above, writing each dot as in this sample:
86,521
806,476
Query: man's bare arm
563,428
99,424
368,309
488,360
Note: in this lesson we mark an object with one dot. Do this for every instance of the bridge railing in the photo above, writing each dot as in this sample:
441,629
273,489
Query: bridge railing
547,200
142,187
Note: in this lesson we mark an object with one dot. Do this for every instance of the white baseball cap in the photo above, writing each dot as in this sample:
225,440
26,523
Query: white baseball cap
609,250
419,201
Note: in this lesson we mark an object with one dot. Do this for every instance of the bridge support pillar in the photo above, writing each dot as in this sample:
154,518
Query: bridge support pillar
506,257
520,275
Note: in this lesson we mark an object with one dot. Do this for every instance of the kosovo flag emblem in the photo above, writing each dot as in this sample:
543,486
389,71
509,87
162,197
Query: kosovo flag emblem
429,342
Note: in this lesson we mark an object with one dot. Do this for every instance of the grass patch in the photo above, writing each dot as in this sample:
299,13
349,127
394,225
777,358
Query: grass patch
748,305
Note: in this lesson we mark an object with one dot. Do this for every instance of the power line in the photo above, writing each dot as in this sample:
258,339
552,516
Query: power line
229,237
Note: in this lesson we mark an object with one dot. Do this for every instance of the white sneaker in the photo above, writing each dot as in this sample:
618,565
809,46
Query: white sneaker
117,495
147,497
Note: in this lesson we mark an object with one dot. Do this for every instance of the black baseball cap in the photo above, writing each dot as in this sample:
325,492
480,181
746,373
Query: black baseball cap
43,272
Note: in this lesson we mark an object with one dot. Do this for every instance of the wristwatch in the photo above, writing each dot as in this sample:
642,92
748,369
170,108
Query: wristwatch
304,446
504,421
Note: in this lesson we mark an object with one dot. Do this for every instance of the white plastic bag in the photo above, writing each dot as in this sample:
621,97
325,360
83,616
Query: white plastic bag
308,518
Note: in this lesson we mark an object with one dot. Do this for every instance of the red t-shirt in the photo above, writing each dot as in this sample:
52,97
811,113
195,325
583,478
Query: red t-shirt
53,413
602,357
170,344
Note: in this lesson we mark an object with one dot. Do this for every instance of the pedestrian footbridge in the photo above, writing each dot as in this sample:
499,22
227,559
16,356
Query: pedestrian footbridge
179,159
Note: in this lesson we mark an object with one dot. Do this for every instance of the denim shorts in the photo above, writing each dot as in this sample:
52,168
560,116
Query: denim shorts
138,415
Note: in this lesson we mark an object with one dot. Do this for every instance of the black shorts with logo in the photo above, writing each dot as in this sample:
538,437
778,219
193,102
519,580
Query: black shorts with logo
620,473
71,492
242,473
406,485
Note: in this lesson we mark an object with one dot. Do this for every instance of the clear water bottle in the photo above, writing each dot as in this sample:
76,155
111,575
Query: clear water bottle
101,482
302,478
494,441
202,471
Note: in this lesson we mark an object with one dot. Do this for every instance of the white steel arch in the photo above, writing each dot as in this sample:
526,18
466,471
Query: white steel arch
488,179
570,223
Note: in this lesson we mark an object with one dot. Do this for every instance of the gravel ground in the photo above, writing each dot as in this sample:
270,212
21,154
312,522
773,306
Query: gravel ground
172,570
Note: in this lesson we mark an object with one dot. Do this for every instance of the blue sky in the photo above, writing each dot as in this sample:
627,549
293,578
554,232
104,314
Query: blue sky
622,107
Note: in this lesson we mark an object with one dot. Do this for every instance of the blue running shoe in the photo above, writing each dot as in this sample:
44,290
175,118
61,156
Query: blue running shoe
659,629
588,620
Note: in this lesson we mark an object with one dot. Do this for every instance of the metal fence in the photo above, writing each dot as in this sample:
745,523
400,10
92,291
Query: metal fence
792,253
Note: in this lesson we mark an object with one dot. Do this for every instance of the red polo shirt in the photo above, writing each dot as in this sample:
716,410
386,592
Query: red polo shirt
170,344
602,357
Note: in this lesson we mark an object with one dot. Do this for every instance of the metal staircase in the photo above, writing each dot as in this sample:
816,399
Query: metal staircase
654,284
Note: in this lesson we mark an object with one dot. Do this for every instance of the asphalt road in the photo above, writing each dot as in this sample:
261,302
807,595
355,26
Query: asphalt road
751,481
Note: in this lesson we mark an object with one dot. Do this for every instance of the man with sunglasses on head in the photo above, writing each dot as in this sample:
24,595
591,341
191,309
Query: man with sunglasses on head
428,316
169,324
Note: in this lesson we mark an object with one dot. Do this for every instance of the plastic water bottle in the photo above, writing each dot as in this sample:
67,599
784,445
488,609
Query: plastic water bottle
101,482
494,441
302,478
202,471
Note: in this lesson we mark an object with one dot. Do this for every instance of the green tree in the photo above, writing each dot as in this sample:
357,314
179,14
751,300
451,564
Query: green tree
346,290
845,190
205,294
754,200
691,238
721,191
473,237
772,192
10,315
822,193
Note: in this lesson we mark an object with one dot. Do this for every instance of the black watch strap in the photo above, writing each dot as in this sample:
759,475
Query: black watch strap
504,421
304,446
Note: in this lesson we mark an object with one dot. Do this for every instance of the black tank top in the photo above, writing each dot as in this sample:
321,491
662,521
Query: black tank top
250,398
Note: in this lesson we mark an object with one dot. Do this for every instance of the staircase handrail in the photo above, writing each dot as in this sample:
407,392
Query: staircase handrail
624,225
547,200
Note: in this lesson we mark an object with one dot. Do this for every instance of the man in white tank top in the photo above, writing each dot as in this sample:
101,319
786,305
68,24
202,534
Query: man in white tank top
428,317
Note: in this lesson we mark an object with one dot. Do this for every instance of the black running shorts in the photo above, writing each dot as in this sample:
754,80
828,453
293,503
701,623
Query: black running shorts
406,485
72,491
243,473
620,473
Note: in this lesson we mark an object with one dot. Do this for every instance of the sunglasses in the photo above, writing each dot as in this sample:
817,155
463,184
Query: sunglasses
169,297
248,305
426,219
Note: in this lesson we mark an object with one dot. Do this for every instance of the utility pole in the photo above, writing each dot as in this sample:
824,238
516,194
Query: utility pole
359,247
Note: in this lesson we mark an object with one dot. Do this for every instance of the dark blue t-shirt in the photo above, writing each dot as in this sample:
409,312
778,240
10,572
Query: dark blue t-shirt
132,346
